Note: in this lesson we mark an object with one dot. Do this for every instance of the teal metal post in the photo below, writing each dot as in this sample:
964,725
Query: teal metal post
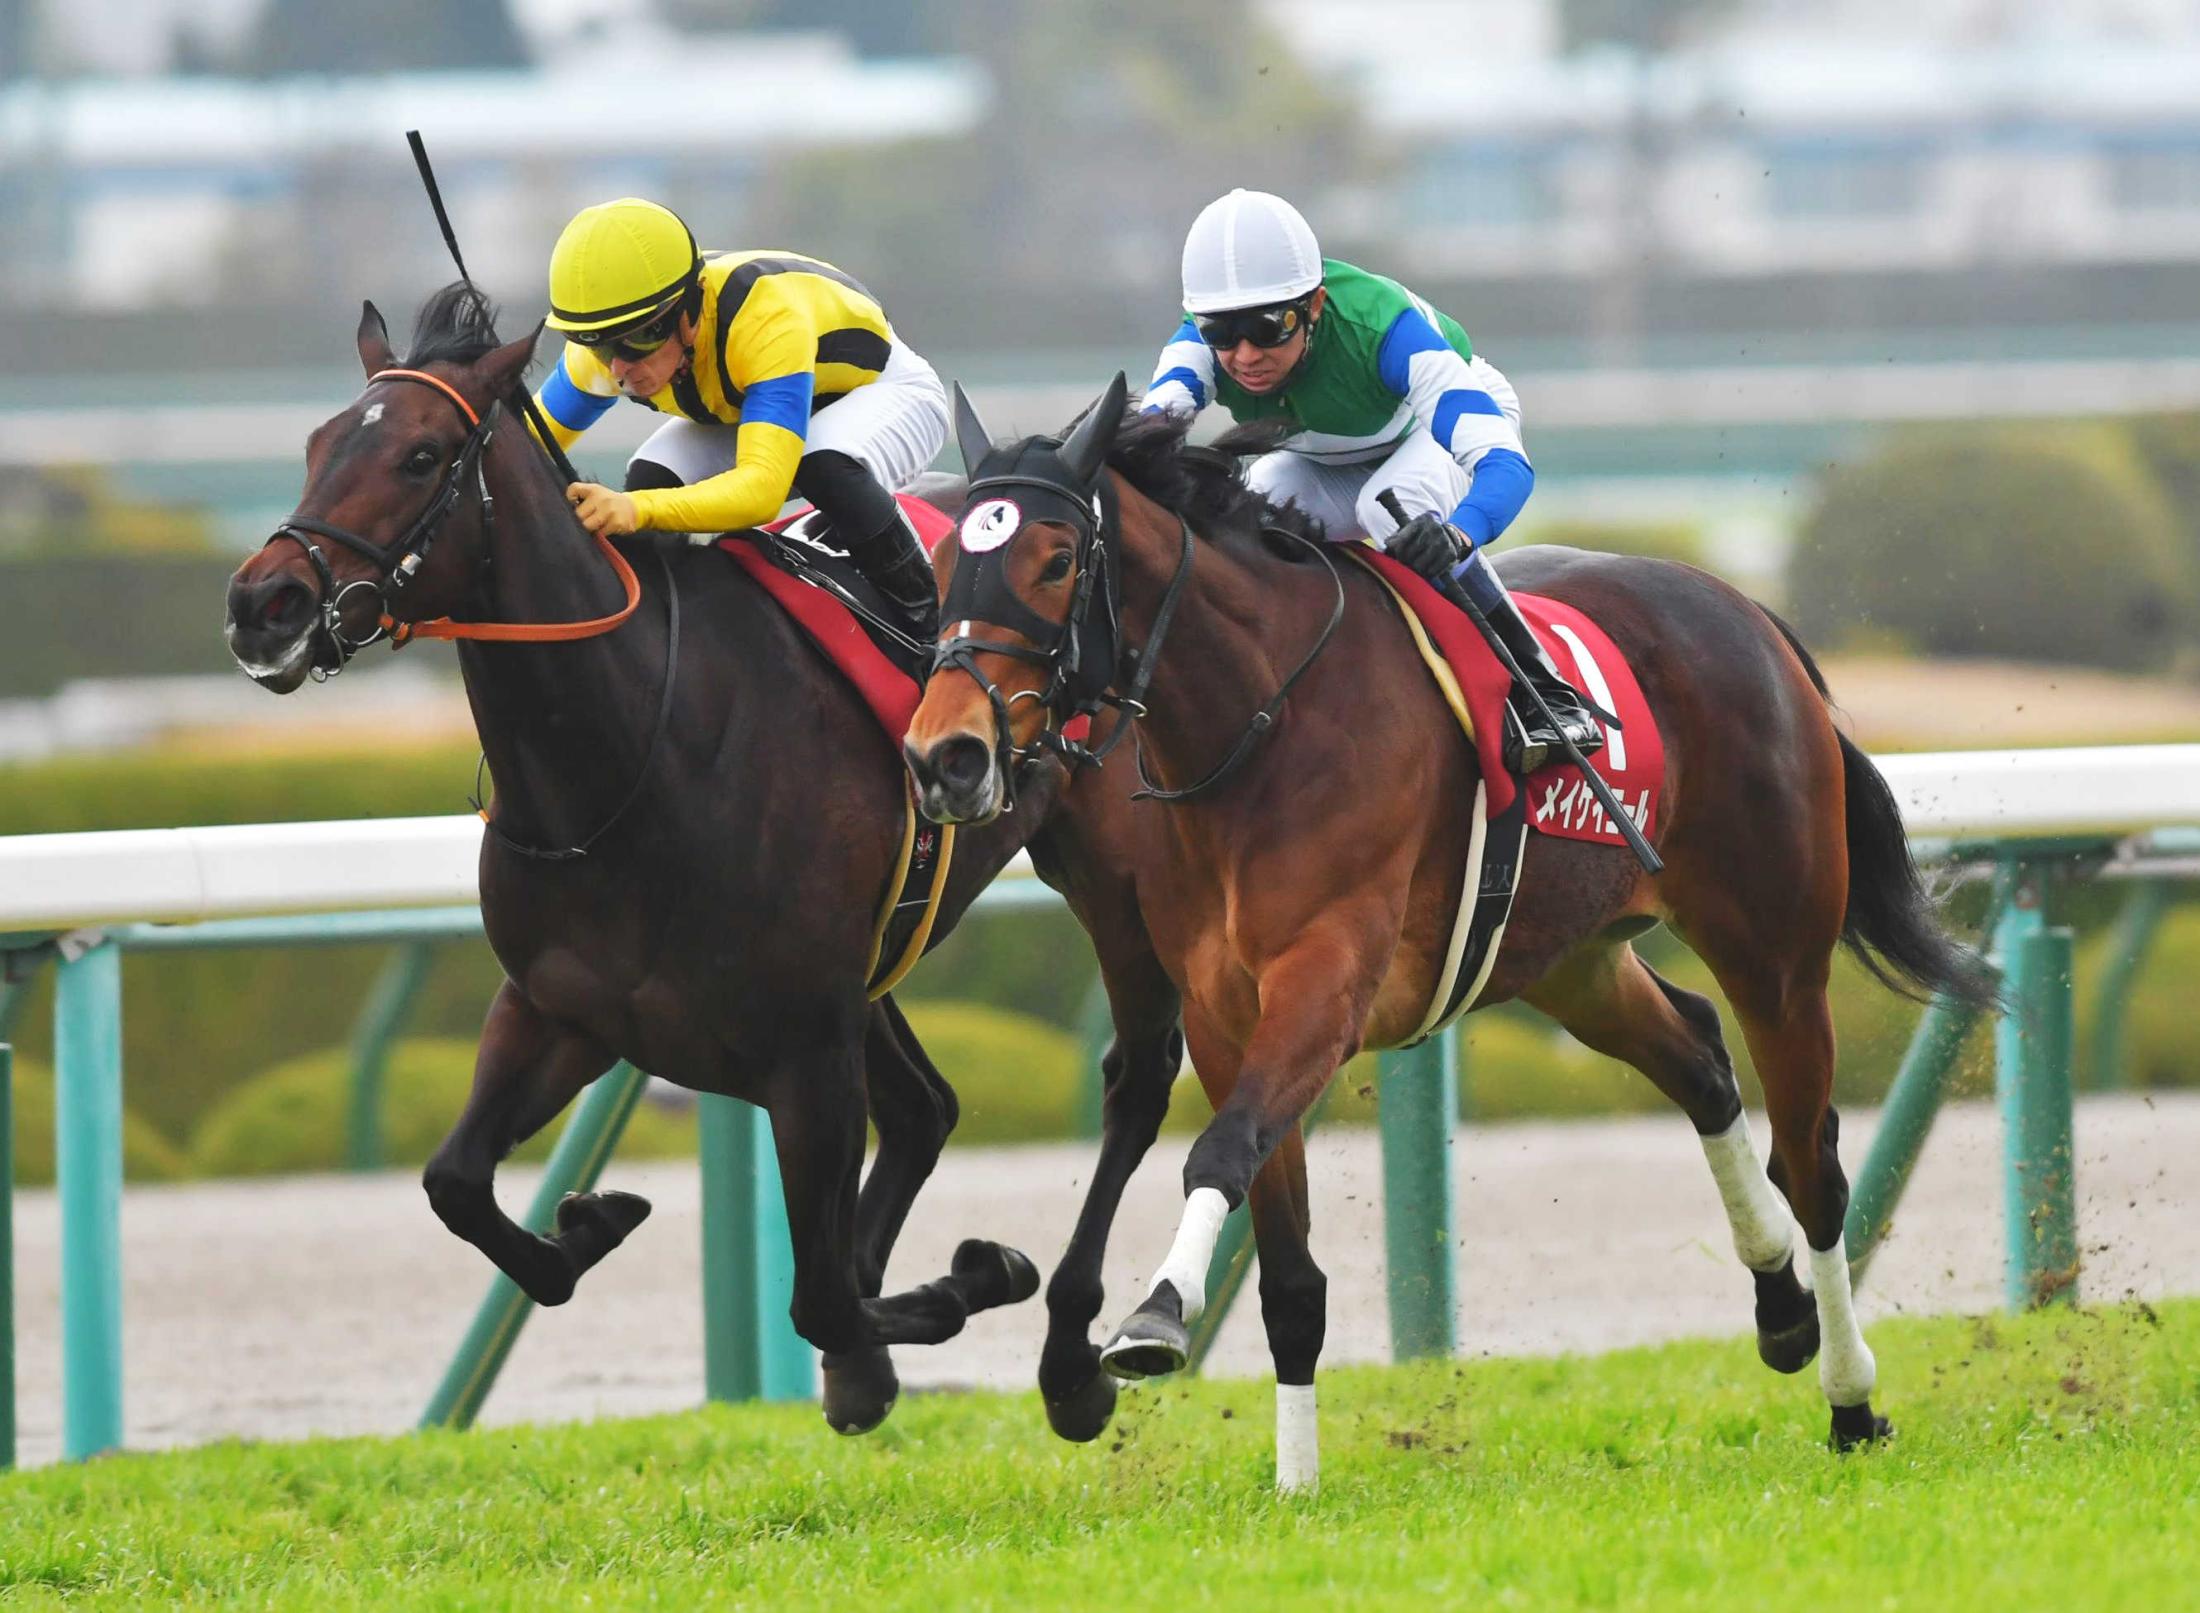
575,1163
1418,1105
7,1256
88,1174
2032,1056
750,1348
1912,1103
2128,939
382,1017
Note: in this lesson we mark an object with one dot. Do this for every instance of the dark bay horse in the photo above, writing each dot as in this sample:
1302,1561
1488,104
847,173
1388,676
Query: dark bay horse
740,809
1302,905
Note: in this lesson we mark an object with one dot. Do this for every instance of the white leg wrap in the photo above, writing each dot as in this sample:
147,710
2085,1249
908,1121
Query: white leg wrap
1298,1439
1764,1230
1186,1267
1846,1370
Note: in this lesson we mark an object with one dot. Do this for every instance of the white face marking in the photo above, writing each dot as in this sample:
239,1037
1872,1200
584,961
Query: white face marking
374,413
991,524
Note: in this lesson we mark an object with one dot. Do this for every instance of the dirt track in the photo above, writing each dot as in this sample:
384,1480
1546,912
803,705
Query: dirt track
330,1304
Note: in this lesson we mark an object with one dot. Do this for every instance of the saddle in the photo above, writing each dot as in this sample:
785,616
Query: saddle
1553,800
816,585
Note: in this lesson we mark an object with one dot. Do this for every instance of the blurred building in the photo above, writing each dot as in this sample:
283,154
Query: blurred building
1827,136
132,192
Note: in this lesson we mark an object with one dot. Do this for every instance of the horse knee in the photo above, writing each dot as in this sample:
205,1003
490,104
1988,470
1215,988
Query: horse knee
1227,1155
1713,1098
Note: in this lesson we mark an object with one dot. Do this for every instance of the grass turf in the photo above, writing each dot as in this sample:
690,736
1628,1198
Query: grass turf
2043,1461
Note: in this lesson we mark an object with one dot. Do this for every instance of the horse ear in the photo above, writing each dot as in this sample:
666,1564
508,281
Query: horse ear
1087,448
970,433
501,369
374,340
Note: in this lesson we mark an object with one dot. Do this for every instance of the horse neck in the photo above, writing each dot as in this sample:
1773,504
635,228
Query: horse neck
1225,653
563,726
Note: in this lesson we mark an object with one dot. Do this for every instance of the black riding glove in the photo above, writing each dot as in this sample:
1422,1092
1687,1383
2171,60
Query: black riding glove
1430,545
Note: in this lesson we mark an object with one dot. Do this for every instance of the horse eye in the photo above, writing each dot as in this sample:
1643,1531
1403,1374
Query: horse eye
1057,568
421,459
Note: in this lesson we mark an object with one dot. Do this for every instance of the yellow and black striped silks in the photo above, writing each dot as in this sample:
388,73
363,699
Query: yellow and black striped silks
779,337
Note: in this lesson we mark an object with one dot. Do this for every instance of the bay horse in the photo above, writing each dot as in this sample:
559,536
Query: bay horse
1299,891
739,812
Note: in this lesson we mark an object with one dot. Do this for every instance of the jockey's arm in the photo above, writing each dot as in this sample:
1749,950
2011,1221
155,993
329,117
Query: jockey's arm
1184,379
774,364
575,394
1453,399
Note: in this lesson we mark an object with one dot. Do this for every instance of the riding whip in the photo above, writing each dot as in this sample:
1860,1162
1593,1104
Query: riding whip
450,239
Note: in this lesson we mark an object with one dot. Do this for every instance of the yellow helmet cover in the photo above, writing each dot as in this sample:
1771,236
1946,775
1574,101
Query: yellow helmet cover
618,264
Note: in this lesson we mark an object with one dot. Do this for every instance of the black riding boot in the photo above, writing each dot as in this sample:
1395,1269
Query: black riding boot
894,563
1530,742
868,523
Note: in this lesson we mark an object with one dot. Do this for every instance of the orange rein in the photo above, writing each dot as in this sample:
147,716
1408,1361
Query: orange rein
508,632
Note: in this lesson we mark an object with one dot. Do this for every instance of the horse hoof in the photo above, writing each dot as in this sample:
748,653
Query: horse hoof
1858,1425
993,1273
610,1215
1152,1341
1083,1416
1787,1320
860,1389
1792,1348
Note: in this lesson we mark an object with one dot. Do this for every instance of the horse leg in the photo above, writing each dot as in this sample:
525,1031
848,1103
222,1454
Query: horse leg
1790,1033
1294,1307
1612,1001
1313,1001
914,1109
1140,1067
528,1068
816,1104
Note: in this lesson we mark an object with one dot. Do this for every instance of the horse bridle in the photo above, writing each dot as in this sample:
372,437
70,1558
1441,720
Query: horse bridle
396,563
1061,648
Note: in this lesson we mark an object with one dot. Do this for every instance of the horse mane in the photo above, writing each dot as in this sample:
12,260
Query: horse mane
457,325
1203,484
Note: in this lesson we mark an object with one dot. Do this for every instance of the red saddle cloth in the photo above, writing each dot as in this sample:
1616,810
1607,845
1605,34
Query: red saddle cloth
1559,803
891,693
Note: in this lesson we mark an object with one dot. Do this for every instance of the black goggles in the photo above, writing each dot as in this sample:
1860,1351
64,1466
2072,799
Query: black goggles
1263,327
635,342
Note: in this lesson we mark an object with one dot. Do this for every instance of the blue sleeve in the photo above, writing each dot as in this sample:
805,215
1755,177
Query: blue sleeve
567,404
1409,333
1181,356
783,401
1502,482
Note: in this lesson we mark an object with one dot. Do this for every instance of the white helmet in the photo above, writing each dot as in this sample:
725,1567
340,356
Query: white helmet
1246,250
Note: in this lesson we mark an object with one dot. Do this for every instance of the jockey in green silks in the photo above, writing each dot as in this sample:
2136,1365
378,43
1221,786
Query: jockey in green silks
1387,396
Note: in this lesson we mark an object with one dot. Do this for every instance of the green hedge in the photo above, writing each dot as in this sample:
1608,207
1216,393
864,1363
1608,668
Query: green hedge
147,1156
1015,1076
2052,544
292,1117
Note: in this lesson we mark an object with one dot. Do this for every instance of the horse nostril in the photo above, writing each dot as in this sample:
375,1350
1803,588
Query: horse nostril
962,762
285,605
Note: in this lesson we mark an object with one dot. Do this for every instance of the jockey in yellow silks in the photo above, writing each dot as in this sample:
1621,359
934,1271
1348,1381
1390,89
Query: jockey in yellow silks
781,374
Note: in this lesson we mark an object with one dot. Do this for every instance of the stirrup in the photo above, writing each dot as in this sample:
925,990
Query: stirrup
1529,748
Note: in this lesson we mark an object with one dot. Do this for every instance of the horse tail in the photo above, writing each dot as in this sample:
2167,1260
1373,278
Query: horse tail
1890,926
